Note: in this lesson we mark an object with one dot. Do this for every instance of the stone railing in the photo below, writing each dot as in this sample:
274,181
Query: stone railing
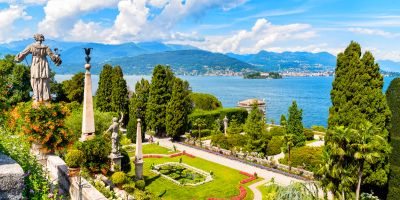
58,174
255,161
11,178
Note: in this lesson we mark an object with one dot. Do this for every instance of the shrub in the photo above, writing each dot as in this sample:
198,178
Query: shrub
228,142
96,152
277,131
140,184
74,158
204,101
125,161
309,134
306,157
125,140
204,133
274,145
43,125
118,178
129,187
318,128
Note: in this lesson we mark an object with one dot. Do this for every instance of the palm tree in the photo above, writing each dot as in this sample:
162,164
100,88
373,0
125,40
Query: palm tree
289,138
369,148
199,123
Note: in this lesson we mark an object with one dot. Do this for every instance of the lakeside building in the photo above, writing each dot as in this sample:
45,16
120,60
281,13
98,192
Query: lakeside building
247,104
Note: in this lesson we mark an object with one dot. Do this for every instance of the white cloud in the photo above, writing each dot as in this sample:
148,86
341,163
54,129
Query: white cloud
61,15
262,35
24,2
367,31
7,18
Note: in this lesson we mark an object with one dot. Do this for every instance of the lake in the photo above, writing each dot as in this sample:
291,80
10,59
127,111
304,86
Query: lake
311,93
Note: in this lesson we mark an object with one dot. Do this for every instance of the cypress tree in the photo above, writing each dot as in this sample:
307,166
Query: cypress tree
160,94
178,109
357,98
294,125
393,100
119,96
255,128
137,106
104,91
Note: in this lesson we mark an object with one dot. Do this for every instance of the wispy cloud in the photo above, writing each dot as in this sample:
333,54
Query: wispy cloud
272,13
377,32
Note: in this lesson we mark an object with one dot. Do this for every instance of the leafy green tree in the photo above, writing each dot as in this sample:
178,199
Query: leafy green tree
160,94
14,82
178,109
283,120
74,88
357,97
137,107
295,125
289,142
199,123
234,126
119,97
104,91
205,101
255,128
393,100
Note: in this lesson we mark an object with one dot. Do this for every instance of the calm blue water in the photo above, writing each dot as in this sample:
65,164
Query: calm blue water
311,93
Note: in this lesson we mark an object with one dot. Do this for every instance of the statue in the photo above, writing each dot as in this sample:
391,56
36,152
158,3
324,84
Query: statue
114,135
40,71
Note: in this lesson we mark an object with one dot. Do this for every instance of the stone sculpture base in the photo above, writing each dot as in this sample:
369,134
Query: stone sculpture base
139,169
115,160
86,136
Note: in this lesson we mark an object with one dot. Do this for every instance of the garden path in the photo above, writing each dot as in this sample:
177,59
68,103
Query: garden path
316,143
256,192
267,175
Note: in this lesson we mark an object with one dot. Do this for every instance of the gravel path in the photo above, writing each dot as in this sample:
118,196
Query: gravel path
256,192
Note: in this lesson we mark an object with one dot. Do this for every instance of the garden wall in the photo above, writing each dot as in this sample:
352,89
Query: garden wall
11,178
58,173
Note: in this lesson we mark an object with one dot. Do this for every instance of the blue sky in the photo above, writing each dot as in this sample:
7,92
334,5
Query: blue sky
240,26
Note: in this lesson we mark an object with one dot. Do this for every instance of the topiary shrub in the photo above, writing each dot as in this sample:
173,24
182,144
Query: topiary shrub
274,145
118,178
129,187
309,134
140,184
305,157
74,158
43,125
204,101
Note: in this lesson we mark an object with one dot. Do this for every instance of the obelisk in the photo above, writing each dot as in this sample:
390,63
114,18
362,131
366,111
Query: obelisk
139,153
88,127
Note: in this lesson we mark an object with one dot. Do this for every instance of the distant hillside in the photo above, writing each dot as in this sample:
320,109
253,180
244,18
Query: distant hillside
182,62
289,61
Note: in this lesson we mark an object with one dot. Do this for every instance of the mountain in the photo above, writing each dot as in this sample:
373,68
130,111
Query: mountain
182,62
289,61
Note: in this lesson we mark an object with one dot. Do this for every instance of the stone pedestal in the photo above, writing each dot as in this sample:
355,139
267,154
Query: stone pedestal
115,160
139,169
88,127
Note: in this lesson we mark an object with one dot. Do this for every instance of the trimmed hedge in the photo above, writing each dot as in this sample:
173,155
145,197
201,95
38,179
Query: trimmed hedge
230,141
274,145
305,157
277,131
211,116
204,101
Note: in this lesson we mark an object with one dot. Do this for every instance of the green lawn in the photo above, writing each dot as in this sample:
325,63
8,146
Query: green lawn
225,183
152,149
268,192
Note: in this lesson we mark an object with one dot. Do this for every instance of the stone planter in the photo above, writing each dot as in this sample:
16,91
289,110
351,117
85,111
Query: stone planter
73,171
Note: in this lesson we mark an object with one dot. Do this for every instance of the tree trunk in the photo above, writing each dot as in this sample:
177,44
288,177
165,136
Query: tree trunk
359,182
289,162
343,196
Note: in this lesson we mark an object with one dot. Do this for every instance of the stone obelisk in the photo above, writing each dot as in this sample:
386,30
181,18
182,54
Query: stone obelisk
139,153
88,127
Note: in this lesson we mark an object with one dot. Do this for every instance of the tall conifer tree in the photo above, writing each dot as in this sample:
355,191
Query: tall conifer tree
178,109
104,91
393,100
160,94
294,125
357,98
255,128
119,96
138,106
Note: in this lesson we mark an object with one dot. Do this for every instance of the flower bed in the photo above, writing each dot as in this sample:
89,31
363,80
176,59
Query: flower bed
182,174
247,180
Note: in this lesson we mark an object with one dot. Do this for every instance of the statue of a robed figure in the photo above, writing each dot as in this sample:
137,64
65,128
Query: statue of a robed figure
40,71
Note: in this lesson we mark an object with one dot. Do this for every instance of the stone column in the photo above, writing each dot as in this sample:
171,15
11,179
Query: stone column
139,153
225,124
88,127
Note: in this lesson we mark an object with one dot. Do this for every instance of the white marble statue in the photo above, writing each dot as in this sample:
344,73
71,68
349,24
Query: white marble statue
40,71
